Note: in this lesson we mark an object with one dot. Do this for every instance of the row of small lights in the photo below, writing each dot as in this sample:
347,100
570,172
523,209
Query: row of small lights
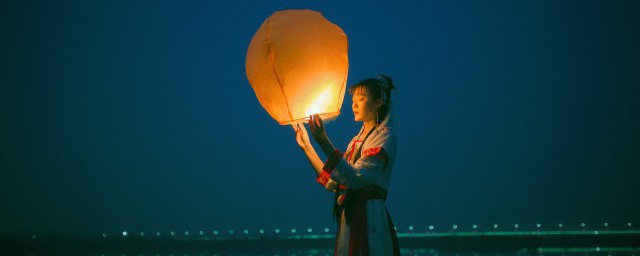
516,226
326,230
216,232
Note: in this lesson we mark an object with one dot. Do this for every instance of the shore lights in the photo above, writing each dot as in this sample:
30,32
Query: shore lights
297,64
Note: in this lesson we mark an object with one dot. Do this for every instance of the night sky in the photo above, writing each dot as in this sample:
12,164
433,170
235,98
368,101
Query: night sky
138,116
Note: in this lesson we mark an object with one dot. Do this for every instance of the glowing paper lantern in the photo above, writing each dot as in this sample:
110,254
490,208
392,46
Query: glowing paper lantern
297,64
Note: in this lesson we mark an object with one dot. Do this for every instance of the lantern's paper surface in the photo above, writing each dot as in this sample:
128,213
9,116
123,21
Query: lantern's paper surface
297,64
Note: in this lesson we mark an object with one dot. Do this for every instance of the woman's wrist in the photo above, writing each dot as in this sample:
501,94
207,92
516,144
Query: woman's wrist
308,149
327,147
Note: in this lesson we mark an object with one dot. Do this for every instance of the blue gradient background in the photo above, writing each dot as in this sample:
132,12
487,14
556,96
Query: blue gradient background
137,115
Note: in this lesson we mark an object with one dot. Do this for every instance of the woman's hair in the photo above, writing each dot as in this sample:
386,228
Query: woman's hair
380,88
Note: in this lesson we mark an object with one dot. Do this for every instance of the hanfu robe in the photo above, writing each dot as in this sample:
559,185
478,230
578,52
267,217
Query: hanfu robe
371,231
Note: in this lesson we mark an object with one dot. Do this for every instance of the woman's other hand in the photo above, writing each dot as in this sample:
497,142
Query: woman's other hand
317,128
331,185
302,137
320,135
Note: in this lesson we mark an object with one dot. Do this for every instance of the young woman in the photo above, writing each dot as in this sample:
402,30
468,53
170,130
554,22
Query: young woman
360,177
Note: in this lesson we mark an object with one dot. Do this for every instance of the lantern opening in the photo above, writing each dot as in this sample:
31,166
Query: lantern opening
320,103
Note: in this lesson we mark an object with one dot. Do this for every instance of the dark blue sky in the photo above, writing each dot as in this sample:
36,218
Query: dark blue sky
133,115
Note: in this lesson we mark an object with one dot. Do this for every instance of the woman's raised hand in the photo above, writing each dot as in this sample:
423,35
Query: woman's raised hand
319,134
317,128
302,137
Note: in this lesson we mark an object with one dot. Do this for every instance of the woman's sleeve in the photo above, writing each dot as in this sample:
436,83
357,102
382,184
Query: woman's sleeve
366,170
325,176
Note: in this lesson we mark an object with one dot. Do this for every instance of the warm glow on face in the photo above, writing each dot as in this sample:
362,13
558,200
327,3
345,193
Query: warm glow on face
364,109
320,103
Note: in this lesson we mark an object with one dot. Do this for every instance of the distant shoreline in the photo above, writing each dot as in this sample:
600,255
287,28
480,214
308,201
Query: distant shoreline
497,241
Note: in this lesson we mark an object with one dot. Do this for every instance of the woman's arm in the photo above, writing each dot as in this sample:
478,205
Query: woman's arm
365,172
368,169
302,137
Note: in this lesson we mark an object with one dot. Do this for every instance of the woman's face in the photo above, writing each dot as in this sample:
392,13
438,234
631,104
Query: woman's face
364,106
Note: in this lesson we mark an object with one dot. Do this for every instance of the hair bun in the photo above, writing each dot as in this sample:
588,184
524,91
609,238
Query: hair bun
385,82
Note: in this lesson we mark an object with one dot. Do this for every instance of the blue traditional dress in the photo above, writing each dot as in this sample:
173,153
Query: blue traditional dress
361,178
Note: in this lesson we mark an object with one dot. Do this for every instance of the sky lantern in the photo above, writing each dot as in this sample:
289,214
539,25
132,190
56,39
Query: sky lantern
297,64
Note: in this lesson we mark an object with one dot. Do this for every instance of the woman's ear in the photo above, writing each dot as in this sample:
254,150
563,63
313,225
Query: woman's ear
379,103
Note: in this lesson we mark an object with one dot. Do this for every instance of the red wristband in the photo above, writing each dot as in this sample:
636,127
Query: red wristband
323,178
